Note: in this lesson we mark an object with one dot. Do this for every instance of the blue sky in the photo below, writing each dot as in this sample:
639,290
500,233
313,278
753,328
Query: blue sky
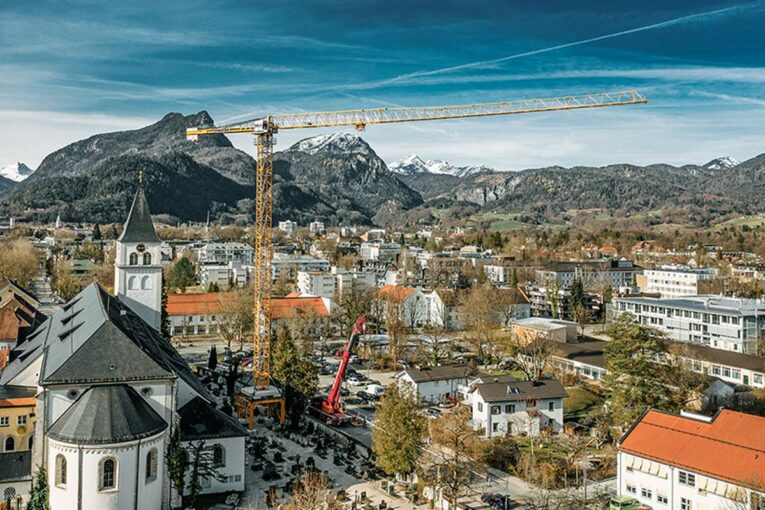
76,68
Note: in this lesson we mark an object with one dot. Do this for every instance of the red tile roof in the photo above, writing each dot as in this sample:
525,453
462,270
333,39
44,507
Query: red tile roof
291,307
197,304
730,448
395,293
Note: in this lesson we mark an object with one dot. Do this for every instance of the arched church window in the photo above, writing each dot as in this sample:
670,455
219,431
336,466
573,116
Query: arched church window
10,444
60,470
108,475
133,282
151,465
133,259
147,259
146,283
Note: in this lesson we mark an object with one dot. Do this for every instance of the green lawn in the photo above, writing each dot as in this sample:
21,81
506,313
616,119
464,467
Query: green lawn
580,402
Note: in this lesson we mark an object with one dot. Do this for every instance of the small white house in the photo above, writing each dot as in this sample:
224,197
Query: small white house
431,385
502,407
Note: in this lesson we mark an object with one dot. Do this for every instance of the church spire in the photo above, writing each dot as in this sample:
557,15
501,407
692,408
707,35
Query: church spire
139,227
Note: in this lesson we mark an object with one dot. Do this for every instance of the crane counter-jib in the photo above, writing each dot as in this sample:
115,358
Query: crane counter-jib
363,117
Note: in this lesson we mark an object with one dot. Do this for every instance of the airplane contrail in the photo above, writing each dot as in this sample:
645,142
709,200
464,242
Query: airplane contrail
654,26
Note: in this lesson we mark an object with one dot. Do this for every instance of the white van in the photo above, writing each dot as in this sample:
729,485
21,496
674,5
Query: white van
375,390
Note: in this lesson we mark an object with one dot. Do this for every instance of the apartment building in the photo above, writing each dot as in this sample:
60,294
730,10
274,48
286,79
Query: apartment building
316,283
233,274
223,253
619,273
285,265
288,227
377,250
316,227
723,323
693,462
676,281
346,281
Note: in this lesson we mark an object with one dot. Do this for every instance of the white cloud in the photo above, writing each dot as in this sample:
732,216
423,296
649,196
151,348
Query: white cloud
35,134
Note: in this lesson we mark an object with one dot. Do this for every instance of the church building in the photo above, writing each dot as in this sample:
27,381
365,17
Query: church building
110,392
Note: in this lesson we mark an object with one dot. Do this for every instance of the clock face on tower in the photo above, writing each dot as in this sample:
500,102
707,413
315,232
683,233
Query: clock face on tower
140,248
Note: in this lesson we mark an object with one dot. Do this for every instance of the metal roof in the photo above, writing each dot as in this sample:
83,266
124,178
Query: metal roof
200,420
107,415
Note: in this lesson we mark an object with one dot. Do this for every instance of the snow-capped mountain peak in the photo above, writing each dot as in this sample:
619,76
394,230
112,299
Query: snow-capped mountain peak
413,164
410,165
16,171
335,143
722,163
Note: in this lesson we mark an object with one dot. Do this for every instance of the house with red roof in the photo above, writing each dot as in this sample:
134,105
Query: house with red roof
409,303
694,462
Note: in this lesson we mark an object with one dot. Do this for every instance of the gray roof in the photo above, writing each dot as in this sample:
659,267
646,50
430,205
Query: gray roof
441,373
96,339
15,466
9,392
526,390
200,420
139,227
589,353
107,415
703,303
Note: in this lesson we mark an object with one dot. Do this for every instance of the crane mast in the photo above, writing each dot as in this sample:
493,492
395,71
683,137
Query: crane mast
264,128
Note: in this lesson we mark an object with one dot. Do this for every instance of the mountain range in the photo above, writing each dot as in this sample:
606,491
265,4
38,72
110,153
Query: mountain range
340,179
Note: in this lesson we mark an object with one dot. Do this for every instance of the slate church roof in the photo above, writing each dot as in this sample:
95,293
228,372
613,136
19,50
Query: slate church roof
108,414
139,227
97,339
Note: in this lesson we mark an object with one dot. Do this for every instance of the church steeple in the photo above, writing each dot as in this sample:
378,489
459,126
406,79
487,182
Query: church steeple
139,227
137,262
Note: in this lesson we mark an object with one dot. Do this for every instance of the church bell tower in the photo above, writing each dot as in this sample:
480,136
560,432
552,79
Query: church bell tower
137,263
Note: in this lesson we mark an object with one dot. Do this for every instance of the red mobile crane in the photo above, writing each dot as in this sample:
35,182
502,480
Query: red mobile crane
331,405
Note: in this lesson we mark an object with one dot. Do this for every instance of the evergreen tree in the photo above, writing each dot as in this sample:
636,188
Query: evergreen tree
165,329
96,236
183,274
577,293
212,362
397,438
38,498
296,374
634,382
202,467
114,234
175,458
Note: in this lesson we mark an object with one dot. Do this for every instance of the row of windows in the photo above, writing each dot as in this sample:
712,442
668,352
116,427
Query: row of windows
510,408
133,259
5,421
107,471
673,312
107,468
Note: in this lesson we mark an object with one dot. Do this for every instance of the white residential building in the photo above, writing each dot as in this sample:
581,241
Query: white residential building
316,227
692,462
619,273
676,281
223,253
316,283
224,275
353,280
285,265
442,309
411,304
723,323
376,250
432,385
288,227
506,407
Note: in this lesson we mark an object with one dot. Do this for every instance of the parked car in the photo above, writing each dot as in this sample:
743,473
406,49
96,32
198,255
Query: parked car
625,503
355,360
354,380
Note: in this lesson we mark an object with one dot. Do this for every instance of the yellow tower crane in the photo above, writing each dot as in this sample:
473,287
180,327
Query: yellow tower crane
264,129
